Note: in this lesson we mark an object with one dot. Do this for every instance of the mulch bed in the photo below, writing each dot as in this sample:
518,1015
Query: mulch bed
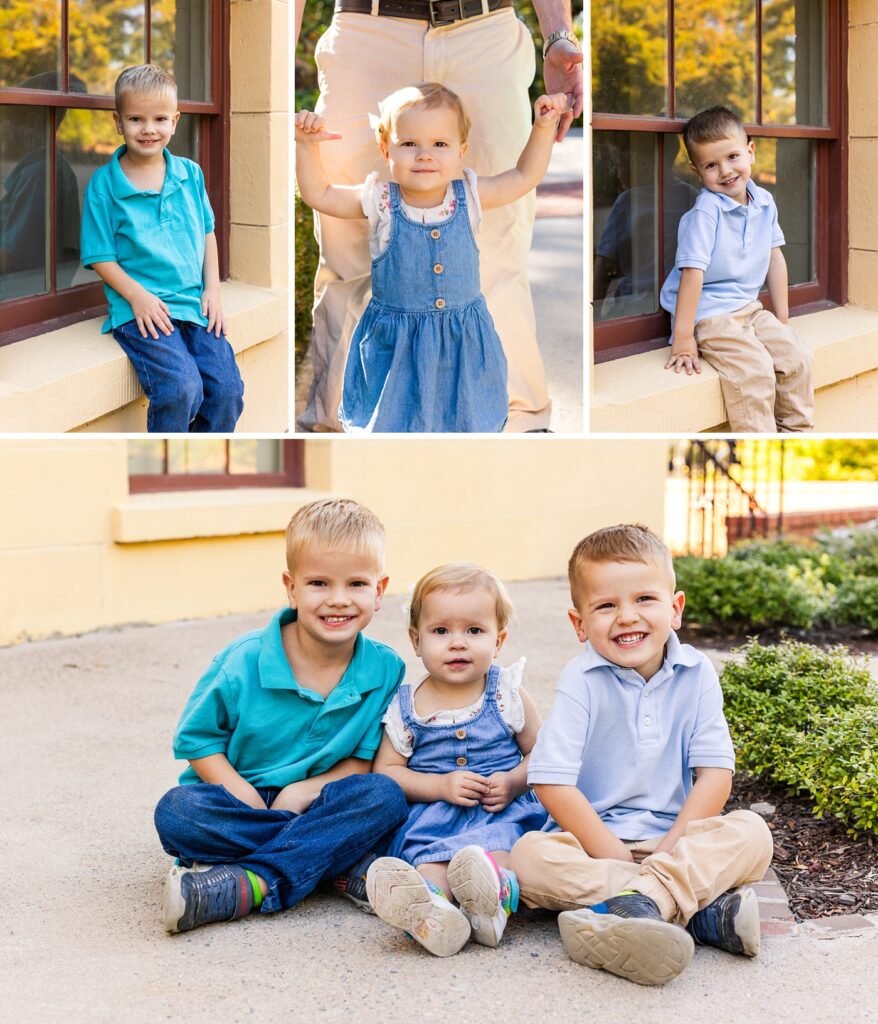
824,871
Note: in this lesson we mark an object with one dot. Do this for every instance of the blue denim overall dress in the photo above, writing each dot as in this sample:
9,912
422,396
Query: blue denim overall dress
425,356
483,744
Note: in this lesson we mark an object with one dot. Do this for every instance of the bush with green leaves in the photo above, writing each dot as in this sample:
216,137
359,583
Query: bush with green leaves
808,718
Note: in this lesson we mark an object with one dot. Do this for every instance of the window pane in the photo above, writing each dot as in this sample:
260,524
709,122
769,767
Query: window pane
629,57
625,224
106,36
681,191
715,56
786,168
31,33
180,44
146,457
24,199
255,457
194,457
185,140
793,62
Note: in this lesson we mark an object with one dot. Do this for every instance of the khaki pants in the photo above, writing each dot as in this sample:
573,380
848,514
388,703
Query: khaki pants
764,370
489,62
713,855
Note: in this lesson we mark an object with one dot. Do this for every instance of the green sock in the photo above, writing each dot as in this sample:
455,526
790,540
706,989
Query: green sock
257,890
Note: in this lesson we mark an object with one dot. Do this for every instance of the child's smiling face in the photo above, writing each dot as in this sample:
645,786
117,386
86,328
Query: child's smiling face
725,165
424,153
147,122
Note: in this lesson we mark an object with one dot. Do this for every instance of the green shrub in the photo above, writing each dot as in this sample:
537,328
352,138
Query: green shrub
790,708
856,603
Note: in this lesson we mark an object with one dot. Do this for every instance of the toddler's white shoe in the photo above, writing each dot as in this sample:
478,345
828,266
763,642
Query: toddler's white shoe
487,893
403,898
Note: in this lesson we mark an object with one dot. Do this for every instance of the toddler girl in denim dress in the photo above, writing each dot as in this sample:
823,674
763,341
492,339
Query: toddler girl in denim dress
457,743
425,356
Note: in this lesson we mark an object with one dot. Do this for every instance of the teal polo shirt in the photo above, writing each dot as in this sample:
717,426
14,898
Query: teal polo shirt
156,237
272,728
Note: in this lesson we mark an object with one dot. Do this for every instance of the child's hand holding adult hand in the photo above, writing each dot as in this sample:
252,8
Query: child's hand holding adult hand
212,308
684,356
548,110
501,792
150,313
311,127
465,788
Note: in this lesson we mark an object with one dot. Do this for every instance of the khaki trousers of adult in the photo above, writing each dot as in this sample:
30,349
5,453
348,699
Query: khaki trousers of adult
489,62
764,370
714,855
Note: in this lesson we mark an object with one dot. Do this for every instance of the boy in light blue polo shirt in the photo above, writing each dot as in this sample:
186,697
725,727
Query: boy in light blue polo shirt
728,247
148,232
634,764
280,733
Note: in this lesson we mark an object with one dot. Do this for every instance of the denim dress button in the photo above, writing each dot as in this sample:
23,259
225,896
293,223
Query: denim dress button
438,268
440,303
461,734
461,760
435,233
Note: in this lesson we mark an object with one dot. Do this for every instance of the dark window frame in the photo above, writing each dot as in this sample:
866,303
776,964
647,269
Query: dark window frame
36,314
614,339
291,475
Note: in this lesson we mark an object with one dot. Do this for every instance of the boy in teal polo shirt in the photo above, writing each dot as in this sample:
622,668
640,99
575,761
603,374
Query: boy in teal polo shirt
148,232
280,733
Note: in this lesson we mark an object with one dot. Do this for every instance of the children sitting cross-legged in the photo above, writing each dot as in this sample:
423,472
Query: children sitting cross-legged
634,765
457,743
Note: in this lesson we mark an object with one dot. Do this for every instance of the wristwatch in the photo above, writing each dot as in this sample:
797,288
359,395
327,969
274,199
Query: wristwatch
561,33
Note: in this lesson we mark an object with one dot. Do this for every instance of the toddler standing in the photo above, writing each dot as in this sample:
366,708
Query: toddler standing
425,356
457,743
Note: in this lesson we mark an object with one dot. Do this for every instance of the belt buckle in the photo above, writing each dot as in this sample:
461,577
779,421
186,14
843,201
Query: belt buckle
436,19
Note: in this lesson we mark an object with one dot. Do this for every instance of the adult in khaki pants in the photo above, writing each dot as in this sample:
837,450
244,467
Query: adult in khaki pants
488,60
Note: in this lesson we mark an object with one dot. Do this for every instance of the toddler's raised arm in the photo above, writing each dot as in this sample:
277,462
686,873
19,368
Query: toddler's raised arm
500,189
314,188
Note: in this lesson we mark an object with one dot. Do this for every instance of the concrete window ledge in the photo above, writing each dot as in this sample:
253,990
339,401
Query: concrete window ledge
636,394
67,378
184,515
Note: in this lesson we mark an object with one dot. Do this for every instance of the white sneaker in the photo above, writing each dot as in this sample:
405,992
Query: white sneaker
485,896
401,897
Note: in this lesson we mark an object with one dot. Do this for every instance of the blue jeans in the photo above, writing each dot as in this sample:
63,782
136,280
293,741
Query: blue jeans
291,852
189,376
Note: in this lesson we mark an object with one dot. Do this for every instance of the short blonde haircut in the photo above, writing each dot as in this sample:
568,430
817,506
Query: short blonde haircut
627,542
428,95
335,524
460,576
144,80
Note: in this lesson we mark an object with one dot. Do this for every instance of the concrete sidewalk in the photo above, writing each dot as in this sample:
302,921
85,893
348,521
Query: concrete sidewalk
86,754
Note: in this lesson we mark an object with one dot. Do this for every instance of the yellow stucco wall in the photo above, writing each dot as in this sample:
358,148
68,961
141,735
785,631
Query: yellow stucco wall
77,552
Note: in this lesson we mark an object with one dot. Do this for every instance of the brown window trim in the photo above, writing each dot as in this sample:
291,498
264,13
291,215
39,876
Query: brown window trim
31,315
614,339
292,475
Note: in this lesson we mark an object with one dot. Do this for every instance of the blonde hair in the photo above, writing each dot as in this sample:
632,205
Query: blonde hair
334,524
428,95
144,80
627,542
457,576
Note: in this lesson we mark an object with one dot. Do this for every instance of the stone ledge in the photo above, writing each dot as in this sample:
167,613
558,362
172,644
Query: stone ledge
183,515
67,378
637,395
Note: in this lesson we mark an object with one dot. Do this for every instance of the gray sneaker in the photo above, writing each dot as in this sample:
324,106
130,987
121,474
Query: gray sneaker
731,923
205,893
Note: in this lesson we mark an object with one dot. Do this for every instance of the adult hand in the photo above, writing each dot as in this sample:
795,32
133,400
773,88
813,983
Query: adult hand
311,127
562,72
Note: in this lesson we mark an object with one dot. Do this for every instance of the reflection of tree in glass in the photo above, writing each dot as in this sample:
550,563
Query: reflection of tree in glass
629,57
30,33
106,36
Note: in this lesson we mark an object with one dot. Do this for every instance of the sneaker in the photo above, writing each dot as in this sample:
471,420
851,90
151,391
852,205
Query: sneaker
352,884
627,936
404,899
487,893
210,892
731,923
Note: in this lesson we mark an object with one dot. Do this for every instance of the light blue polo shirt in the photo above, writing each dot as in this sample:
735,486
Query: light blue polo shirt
631,746
273,729
731,242
156,237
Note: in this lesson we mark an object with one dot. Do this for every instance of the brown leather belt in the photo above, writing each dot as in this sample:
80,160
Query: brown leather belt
437,12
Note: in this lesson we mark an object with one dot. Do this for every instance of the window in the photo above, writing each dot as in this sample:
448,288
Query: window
57,70
779,64
183,465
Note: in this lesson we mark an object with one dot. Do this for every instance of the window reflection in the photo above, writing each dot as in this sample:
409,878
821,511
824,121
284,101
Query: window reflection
194,457
793,57
180,44
625,224
715,56
629,57
786,168
105,38
32,40
254,457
